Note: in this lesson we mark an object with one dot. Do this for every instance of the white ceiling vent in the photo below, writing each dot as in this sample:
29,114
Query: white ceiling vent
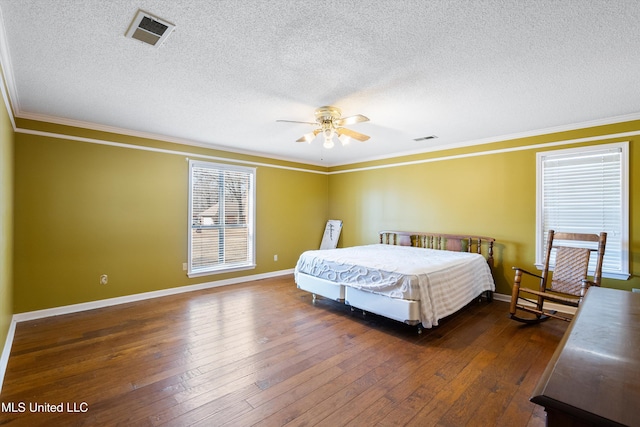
149,29
424,138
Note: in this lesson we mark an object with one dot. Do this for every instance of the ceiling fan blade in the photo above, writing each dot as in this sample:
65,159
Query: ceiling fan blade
352,134
294,121
308,137
358,118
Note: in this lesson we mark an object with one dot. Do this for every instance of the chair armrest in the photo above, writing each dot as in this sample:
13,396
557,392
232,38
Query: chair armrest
527,272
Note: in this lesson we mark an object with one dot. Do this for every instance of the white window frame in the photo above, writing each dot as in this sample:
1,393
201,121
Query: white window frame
223,267
623,236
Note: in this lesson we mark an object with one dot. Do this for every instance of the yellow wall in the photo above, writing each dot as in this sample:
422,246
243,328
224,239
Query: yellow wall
6,222
492,194
85,209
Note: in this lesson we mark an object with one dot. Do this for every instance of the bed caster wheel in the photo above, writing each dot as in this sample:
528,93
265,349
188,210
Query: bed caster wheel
314,298
419,330
353,309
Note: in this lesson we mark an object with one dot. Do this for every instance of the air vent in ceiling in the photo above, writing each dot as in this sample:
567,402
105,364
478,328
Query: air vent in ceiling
424,138
149,29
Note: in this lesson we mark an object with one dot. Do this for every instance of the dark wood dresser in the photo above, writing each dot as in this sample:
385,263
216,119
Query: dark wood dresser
593,378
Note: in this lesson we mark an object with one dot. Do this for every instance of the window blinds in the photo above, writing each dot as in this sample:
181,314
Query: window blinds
221,217
582,191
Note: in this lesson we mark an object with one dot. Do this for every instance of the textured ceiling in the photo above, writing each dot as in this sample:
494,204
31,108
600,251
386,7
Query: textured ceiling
466,71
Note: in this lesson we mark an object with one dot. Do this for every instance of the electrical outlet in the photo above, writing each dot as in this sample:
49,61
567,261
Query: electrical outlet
275,257
104,279
184,266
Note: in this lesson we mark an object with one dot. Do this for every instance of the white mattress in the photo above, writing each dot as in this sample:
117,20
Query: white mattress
443,281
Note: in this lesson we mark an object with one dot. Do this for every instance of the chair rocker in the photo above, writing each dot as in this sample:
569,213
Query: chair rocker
569,282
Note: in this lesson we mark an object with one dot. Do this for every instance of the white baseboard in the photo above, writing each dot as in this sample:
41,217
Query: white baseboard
6,351
75,308
547,305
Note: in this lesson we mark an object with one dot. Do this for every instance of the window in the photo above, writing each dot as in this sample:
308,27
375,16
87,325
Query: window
585,190
221,215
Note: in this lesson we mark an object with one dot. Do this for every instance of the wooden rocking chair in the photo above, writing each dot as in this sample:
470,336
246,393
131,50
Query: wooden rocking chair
569,282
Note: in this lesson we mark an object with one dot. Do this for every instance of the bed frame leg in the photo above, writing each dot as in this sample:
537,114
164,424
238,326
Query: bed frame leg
416,323
314,298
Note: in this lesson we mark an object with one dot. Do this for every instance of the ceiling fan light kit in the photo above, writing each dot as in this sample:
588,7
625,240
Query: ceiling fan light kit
330,122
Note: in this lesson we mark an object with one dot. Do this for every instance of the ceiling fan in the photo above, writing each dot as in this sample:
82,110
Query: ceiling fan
330,122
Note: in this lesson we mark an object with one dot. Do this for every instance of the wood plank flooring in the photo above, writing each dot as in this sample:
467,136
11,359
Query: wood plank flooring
261,353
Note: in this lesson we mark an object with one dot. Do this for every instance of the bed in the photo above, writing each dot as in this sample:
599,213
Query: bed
413,277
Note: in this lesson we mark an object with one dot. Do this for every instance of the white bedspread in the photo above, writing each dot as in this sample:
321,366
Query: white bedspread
443,281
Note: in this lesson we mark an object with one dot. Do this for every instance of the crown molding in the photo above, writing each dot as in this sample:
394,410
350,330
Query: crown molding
502,138
463,144
7,82
620,137
187,154
154,136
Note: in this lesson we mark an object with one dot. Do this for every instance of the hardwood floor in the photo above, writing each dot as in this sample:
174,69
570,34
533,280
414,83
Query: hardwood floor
261,354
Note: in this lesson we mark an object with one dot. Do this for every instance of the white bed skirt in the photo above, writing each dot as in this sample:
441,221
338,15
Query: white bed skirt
319,286
407,311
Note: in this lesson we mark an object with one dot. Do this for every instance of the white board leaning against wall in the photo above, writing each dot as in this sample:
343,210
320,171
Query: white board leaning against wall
331,234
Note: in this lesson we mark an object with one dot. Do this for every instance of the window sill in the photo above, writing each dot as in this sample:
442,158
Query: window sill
230,269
